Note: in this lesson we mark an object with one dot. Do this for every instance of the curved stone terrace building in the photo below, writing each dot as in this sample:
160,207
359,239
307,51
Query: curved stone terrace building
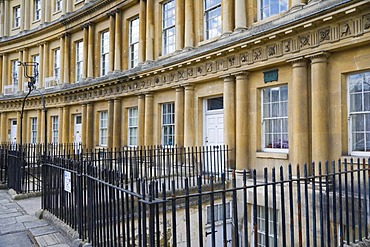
280,82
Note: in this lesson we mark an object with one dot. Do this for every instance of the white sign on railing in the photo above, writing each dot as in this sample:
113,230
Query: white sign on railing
67,181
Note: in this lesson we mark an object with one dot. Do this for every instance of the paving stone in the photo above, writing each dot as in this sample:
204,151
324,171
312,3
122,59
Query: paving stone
38,231
20,239
17,227
11,214
35,223
8,221
25,218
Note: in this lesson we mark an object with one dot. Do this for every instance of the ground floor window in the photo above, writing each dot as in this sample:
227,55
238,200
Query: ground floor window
103,128
55,129
168,124
33,130
132,126
262,217
359,113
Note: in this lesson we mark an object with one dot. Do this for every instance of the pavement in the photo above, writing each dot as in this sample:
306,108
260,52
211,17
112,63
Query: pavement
20,227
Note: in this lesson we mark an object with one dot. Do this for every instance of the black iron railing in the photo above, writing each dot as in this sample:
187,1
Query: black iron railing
110,205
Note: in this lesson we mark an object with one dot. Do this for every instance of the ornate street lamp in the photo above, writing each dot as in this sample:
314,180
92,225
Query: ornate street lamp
31,87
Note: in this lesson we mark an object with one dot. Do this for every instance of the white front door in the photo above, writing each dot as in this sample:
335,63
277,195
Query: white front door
77,130
13,131
213,162
219,236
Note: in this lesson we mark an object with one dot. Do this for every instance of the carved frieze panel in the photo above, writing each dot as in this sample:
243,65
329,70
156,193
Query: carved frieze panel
366,21
257,54
221,65
324,35
304,40
246,58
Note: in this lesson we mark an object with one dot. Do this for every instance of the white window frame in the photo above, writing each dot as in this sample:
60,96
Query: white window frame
104,53
265,11
168,124
103,128
218,213
134,42
17,16
261,218
15,75
168,27
269,147
58,5
56,66
132,126
37,10
79,60
362,78
213,31
33,138
36,59
55,129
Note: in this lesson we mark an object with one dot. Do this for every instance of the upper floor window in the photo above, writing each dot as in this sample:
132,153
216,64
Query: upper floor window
275,118
168,124
36,60
359,113
37,10
79,60
272,7
33,130
134,43
56,67
132,126
15,72
104,55
168,27
58,5
103,128
16,16
212,18
55,129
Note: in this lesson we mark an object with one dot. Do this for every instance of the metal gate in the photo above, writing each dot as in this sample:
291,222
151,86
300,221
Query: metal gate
15,171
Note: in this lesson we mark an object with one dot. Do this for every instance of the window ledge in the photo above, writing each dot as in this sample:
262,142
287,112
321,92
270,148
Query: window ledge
268,155
355,157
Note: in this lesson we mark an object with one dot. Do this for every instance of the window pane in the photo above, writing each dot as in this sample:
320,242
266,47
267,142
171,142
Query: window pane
215,104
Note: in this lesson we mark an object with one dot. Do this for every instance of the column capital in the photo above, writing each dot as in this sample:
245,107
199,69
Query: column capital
241,75
225,76
87,25
318,57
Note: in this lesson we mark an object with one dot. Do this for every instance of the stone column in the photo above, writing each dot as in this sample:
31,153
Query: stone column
39,136
118,41
189,130
110,123
229,117
65,126
117,124
90,56
24,131
241,123
83,125
90,126
149,52
67,57
227,16
180,24
2,18
189,24
7,19
142,31
27,15
4,73
148,133
240,14
111,41
3,128
24,80
319,109
179,117
141,120
297,4
60,125
61,58
41,67
1,74
298,108
46,64
85,50
20,72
